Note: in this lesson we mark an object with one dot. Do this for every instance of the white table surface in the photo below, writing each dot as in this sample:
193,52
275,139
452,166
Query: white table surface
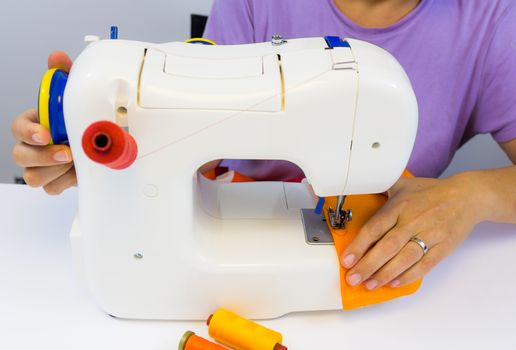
467,302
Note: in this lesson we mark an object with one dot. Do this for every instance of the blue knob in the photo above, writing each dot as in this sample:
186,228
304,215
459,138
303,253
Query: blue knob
114,32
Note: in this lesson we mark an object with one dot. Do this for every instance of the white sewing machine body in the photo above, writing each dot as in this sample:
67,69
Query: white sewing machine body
158,241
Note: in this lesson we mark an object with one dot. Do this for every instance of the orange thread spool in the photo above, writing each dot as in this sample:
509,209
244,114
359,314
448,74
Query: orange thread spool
190,341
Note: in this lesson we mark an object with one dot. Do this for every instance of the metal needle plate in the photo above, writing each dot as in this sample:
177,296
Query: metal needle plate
316,228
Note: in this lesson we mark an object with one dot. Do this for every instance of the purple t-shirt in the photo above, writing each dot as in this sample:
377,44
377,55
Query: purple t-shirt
460,56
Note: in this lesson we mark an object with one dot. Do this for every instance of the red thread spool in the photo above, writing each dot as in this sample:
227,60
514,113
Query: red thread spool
106,143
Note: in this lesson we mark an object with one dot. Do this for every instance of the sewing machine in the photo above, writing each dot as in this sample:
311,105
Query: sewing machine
157,240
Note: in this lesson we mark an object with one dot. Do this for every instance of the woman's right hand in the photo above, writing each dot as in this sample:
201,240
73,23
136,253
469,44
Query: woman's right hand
47,166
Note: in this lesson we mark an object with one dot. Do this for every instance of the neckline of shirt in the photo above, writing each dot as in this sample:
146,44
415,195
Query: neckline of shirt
363,31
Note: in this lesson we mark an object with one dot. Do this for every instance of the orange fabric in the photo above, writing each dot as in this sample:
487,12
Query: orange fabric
242,178
363,207
210,174
237,177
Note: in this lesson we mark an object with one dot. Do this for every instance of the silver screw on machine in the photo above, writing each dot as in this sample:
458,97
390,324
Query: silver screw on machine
277,40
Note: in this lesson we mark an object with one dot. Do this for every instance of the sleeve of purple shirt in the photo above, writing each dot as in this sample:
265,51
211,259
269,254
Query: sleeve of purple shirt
495,110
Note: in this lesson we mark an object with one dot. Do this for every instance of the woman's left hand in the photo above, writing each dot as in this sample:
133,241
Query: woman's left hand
440,212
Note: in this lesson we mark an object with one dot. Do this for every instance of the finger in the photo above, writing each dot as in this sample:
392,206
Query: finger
384,220
26,128
41,176
409,255
35,156
63,182
427,263
60,60
384,250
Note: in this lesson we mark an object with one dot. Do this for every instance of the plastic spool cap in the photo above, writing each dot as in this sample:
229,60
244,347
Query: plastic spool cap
91,38
106,143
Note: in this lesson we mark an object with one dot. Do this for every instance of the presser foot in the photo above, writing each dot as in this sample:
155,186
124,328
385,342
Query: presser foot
339,218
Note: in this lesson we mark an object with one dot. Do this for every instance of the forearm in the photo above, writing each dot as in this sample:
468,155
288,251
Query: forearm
494,193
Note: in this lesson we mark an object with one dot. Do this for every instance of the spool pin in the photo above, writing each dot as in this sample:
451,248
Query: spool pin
241,334
190,341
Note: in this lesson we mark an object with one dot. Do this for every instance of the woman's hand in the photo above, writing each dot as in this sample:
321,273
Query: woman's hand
441,213
47,166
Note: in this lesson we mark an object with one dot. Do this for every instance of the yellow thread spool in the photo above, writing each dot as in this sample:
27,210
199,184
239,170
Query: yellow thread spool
241,334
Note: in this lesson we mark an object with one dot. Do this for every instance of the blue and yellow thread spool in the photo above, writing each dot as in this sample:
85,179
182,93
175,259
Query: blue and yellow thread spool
50,104
203,41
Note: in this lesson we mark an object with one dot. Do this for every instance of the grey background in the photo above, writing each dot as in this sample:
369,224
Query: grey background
30,30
